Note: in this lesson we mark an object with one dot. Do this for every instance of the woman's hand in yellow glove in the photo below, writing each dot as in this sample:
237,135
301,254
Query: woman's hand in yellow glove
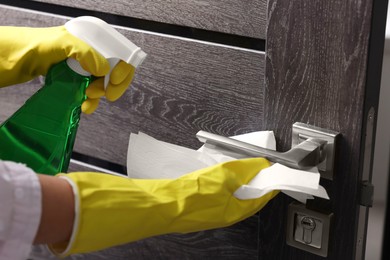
29,52
120,78
113,210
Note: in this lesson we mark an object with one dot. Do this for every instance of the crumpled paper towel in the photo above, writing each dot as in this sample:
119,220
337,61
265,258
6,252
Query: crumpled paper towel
150,158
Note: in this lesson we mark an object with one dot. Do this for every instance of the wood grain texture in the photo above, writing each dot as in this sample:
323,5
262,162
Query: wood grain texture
181,88
316,66
246,18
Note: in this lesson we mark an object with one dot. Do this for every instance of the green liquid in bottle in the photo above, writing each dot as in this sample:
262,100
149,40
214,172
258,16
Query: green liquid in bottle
42,132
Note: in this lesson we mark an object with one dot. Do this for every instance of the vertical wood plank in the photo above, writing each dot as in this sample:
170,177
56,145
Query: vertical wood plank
316,62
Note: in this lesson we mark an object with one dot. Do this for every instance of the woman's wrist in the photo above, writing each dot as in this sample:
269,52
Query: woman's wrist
58,211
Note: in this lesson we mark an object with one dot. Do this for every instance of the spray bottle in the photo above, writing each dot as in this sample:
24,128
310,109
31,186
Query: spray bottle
41,134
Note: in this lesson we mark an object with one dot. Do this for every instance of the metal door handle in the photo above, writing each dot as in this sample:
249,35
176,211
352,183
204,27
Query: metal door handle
312,146
304,155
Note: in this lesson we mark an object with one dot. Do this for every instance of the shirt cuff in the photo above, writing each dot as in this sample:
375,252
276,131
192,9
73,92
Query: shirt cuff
26,211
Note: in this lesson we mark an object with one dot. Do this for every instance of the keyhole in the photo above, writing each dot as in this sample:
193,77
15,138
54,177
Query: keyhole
308,225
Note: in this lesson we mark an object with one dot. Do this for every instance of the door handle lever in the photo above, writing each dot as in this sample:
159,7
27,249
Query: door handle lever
305,155
312,146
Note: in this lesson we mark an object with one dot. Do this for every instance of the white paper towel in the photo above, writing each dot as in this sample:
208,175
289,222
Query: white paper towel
295,183
149,158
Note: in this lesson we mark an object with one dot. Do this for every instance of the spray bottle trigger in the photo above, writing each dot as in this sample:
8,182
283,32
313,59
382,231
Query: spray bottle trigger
113,62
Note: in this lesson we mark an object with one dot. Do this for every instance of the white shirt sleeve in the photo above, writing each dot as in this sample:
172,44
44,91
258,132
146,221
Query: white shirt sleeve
20,210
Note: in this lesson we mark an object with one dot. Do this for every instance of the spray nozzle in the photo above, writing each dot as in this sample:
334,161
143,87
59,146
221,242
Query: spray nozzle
106,40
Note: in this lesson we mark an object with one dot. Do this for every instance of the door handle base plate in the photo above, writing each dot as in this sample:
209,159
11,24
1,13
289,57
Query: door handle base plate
301,132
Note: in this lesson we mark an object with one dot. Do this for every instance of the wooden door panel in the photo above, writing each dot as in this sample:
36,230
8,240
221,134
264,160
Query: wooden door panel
246,18
323,64
181,88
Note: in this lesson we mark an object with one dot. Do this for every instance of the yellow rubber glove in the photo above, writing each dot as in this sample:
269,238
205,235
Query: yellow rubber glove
112,210
121,77
29,52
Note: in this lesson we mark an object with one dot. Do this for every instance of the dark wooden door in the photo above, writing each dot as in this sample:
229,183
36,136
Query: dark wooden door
323,67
